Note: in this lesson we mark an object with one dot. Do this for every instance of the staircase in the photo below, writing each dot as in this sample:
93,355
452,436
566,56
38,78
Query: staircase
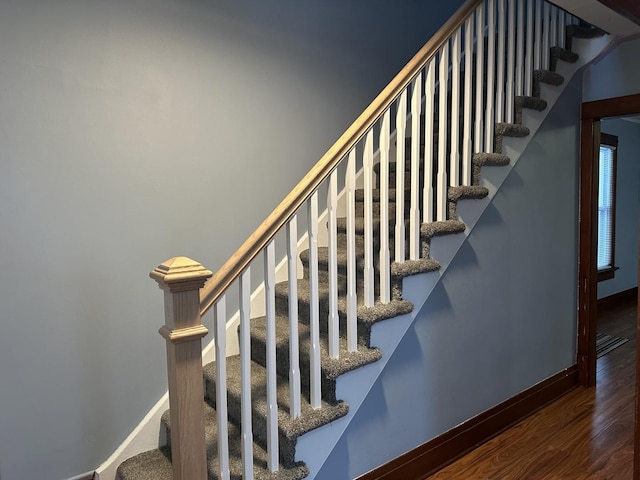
346,277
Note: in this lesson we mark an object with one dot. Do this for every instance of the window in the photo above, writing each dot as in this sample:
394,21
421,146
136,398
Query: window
607,206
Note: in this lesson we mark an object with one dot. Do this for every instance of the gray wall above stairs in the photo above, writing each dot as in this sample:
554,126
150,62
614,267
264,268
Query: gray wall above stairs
502,319
614,75
132,131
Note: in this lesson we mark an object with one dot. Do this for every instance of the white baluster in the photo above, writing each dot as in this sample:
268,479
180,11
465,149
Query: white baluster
528,61
553,26
500,60
314,302
468,72
562,25
479,124
369,287
220,326
511,61
401,124
334,320
442,186
245,374
454,160
520,29
545,36
270,309
385,280
352,300
491,77
414,211
537,49
429,93
294,357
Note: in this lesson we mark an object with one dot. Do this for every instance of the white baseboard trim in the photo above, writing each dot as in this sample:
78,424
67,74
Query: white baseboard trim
84,476
146,436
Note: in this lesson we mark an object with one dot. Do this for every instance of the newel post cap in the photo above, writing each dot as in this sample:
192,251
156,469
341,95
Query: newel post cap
179,274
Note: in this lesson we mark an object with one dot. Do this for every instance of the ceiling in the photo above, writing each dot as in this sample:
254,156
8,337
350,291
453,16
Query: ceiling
624,24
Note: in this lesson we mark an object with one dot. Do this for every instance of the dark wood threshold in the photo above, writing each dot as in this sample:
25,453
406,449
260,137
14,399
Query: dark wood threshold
430,457
624,297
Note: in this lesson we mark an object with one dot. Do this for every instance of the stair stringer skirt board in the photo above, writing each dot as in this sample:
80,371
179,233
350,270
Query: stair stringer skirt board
315,446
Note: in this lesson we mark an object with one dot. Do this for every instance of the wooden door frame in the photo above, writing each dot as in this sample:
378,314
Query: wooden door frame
592,113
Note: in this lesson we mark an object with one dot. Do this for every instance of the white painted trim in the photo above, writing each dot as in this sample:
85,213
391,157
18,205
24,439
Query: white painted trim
146,436
83,476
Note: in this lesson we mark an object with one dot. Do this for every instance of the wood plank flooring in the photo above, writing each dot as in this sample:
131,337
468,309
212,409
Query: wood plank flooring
587,434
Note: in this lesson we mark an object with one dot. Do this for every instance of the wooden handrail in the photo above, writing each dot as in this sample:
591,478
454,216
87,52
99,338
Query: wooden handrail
259,239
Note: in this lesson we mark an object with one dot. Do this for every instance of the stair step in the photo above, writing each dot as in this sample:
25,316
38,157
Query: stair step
480,160
464,193
331,368
445,227
289,429
531,103
367,316
156,464
507,130
545,76
559,53
467,193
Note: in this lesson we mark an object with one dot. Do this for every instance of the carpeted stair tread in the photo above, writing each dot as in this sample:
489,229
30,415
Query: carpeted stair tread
473,192
445,227
366,315
559,53
479,160
437,229
545,76
151,465
490,159
331,368
507,130
467,192
296,470
156,464
531,103
511,130
289,429
549,77
414,267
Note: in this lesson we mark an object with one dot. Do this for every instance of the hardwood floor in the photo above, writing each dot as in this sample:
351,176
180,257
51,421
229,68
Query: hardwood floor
587,434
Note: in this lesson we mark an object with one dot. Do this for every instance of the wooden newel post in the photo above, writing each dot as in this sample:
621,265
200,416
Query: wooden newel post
181,279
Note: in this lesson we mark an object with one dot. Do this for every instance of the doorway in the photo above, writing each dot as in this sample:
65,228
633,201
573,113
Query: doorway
592,114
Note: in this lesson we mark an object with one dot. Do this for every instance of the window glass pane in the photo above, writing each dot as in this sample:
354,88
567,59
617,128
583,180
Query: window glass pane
605,207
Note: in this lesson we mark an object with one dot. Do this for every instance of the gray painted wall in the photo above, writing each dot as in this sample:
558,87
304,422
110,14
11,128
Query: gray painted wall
132,131
614,75
627,206
502,319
